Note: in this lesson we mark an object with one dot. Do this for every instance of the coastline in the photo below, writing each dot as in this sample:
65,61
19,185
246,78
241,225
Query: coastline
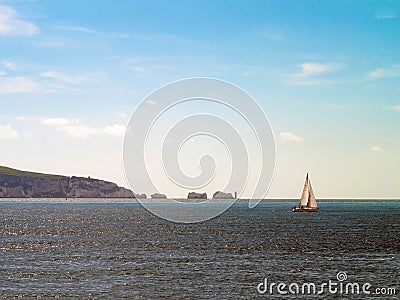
155,201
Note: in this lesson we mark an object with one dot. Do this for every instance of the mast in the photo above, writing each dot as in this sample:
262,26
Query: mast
312,202
305,194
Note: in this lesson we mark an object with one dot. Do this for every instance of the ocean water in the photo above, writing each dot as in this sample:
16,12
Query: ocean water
111,250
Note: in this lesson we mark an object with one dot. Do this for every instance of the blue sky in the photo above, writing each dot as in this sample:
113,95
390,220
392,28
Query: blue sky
325,72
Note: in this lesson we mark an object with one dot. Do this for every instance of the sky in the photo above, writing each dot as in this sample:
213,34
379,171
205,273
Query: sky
326,74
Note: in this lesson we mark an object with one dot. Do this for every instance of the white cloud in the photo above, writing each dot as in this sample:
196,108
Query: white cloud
385,17
72,78
9,65
392,71
55,80
77,28
54,87
376,149
310,74
395,107
3,73
288,137
138,69
120,35
23,118
83,131
7,132
11,24
79,131
114,130
72,128
14,85
59,76
122,115
56,122
309,69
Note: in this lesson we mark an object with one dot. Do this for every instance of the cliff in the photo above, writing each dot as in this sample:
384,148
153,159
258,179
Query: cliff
194,195
21,184
222,195
140,196
158,196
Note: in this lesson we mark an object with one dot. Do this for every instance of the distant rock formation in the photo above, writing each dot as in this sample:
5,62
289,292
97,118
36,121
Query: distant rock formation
140,196
194,195
20,184
158,196
222,195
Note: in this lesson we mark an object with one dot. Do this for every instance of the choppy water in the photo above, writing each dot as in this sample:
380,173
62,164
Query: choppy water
90,251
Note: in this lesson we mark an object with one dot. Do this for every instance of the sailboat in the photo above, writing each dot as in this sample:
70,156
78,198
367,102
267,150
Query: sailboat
308,203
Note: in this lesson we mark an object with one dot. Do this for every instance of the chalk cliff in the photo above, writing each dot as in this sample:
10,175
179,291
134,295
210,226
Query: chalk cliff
222,195
194,195
20,184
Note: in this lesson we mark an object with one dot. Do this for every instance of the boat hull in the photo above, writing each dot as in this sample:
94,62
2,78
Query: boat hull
304,209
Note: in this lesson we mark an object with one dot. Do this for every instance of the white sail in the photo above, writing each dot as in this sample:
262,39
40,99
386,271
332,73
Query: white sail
312,202
304,195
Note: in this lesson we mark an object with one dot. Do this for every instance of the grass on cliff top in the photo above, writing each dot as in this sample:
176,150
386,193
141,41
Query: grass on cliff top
15,172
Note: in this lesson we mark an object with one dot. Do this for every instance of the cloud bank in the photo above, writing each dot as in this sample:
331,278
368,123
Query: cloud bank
11,24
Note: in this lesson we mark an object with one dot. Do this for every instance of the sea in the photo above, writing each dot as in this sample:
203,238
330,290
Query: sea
121,251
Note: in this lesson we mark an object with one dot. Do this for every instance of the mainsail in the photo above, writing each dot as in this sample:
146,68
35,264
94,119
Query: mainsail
308,203
305,195
311,198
